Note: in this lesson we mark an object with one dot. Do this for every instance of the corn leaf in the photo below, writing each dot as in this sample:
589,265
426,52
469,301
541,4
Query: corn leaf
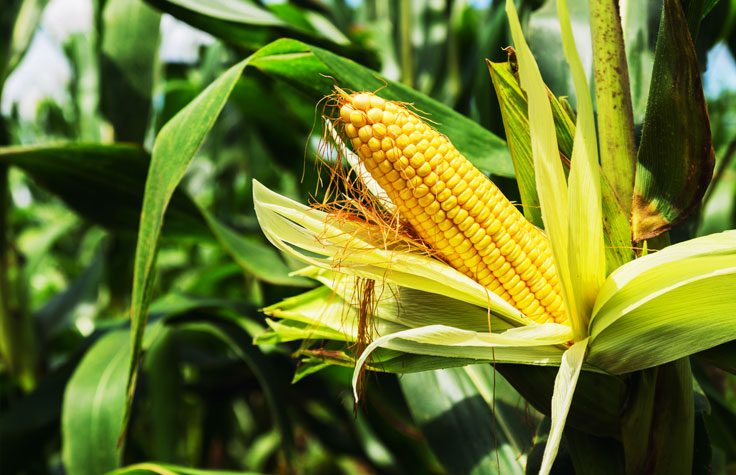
455,410
441,340
676,321
129,52
103,184
567,379
93,407
315,71
667,305
551,184
587,258
173,151
676,158
627,284
383,360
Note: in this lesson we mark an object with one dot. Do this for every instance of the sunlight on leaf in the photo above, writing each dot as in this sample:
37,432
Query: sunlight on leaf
567,379
551,184
587,257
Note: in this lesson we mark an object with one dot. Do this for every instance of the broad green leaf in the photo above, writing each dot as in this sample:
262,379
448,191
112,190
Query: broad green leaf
310,68
94,402
666,305
587,257
613,101
455,409
104,184
173,151
550,177
629,283
676,159
255,257
567,379
677,321
130,38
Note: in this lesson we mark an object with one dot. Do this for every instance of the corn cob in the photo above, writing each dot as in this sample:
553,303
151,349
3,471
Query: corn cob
454,207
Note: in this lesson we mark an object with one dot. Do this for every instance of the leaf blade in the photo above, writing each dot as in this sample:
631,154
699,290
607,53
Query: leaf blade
676,159
565,383
173,151
551,183
93,407
587,257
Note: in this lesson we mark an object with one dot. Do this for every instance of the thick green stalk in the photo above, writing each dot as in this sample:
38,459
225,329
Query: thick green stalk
613,98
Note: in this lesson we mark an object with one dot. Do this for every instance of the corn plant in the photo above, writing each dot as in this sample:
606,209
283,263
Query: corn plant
317,203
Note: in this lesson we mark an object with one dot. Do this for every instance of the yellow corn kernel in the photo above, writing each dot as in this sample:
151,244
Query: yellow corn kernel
454,207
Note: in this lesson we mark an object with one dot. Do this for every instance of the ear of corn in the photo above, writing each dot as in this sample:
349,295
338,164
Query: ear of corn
454,207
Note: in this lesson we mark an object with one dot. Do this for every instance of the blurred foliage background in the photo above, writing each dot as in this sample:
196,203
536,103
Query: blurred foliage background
85,87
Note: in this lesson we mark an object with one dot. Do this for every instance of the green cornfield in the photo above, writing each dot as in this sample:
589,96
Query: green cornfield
367,237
